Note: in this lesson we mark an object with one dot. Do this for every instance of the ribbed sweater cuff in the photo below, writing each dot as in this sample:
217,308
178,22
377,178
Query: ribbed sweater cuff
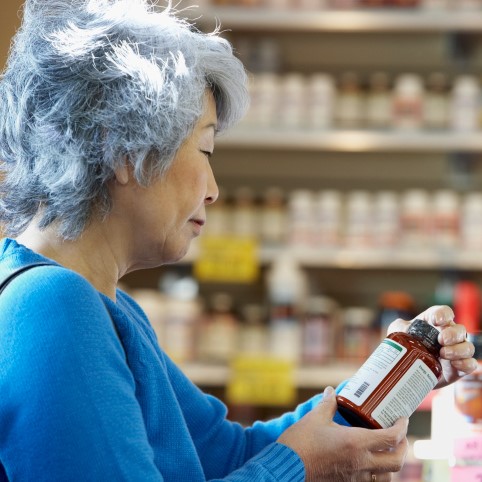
283,463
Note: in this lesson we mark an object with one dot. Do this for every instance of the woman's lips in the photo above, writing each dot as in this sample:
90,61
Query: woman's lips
198,224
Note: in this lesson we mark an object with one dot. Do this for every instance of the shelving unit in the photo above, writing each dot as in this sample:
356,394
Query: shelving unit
211,375
396,259
269,151
351,141
339,21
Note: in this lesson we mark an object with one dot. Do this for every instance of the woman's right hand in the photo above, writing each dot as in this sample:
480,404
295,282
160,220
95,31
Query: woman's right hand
336,453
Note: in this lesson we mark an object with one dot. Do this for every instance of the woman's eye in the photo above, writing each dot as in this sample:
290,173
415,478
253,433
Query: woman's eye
208,154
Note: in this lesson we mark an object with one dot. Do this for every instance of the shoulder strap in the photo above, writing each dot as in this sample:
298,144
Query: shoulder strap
15,273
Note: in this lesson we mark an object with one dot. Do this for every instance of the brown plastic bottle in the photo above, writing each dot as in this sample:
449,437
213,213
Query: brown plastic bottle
394,380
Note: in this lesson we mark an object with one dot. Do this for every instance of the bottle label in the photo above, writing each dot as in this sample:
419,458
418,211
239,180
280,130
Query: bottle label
373,371
404,397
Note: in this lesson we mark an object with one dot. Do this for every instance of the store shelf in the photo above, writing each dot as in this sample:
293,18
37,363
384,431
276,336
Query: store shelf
431,258
393,20
305,377
428,258
351,140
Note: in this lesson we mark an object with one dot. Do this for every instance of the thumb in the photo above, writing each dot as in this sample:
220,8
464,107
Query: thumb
327,407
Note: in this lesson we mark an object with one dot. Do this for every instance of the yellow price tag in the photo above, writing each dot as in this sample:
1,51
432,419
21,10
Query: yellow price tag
261,381
227,259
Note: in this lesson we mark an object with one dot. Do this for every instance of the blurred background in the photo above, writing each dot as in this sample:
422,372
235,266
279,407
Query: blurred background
349,196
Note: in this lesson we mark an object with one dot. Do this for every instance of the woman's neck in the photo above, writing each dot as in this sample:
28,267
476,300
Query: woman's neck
92,255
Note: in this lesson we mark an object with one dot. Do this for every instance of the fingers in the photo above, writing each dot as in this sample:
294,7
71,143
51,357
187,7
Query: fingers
438,315
391,460
464,367
388,438
457,349
453,334
328,406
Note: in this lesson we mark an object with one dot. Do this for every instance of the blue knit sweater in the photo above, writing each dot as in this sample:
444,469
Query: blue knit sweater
81,400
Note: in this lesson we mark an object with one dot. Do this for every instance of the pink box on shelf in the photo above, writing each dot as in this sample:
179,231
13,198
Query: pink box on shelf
466,474
468,448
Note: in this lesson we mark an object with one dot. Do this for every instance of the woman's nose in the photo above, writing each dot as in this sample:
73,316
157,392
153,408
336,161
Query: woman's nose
212,193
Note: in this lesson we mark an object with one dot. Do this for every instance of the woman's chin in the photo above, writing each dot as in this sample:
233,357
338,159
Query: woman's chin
176,256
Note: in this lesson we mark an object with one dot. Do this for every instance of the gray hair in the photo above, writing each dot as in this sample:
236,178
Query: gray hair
91,84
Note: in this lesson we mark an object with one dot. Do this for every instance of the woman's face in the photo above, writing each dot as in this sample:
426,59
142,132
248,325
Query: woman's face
165,216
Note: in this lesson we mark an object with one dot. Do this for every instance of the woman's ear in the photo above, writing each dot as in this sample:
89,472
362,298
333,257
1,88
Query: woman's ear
122,174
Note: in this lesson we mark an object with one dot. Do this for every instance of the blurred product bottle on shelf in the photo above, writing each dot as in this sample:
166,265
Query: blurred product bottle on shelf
436,4
470,225
436,103
443,221
468,390
260,54
386,219
153,303
319,328
445,289
415,218
218,217
245,218
350,105
408,102
393,305
328,219
446,219
343,4
467,305
300,218
291,111
468,4
264,89
321,99
287,289
406,3
253,335
465,104
373,3
218,334
379,102
359,220
357,336
272,223
312,4
181,316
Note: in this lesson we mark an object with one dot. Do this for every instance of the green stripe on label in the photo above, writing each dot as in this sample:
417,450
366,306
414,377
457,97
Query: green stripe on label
392,343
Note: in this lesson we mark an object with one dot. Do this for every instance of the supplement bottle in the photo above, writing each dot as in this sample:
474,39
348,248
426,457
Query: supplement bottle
394,380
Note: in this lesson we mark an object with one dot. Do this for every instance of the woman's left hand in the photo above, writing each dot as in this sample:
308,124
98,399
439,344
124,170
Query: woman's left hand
456,353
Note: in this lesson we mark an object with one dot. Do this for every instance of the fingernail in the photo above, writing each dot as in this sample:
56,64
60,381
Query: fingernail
328,393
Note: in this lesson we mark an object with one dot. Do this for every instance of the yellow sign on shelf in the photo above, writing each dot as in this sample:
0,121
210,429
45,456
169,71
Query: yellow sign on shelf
261,381
227,259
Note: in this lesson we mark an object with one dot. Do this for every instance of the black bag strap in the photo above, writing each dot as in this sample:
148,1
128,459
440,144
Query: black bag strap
22,269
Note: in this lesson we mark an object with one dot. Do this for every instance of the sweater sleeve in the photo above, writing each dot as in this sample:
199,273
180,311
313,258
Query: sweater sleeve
225,447
68,406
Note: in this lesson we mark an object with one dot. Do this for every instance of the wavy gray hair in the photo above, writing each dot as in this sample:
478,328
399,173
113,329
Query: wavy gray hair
91,83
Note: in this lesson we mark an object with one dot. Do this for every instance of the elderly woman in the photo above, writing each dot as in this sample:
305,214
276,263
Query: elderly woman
108,115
